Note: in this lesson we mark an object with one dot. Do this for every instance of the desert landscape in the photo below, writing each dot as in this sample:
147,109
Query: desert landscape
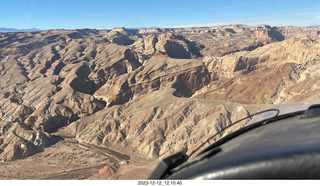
110,104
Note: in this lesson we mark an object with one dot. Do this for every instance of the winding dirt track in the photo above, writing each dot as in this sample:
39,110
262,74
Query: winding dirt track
107,152
67,159
75,174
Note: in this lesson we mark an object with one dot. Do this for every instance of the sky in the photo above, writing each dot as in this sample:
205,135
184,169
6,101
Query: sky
107,14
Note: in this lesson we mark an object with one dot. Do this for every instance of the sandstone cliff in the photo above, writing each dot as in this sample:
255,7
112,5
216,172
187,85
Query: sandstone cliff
276,73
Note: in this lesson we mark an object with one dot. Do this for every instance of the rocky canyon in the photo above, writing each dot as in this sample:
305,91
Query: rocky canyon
110,104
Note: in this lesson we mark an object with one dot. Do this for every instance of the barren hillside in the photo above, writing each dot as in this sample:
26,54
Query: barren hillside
106,104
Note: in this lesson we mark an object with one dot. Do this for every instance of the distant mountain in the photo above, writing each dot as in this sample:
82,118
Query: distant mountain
18,30
314,26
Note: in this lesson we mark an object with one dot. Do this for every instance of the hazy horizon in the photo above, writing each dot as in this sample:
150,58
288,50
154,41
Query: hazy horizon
100,14
137,28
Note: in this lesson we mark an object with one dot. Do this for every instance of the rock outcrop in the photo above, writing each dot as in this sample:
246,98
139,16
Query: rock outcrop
267,75
17,141
172,45
186,76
